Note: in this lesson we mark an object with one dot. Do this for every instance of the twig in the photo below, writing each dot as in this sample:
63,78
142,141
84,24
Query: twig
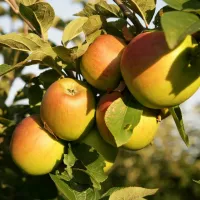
130,15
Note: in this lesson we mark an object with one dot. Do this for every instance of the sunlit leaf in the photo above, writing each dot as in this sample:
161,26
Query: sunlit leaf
121,117
176,30
73,29
132,193
41,15
178,118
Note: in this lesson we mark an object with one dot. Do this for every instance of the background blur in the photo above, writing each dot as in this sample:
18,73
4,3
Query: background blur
167,164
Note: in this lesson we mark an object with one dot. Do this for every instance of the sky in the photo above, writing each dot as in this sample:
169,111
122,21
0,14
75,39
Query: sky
64,9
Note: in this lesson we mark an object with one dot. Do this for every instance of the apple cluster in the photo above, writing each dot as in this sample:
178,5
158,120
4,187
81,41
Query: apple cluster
156,76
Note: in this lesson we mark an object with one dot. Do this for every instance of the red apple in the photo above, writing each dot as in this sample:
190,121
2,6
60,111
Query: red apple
100,65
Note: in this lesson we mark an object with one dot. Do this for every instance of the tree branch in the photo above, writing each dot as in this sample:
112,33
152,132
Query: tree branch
130,15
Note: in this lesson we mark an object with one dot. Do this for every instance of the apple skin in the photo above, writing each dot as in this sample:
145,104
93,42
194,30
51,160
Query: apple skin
143,133
109,152
100,65
68,109
157,76
33,149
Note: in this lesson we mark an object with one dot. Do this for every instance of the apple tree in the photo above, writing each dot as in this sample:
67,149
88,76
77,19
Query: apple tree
108,86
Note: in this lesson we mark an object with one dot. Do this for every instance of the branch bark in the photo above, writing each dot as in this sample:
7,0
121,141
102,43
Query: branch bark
130,15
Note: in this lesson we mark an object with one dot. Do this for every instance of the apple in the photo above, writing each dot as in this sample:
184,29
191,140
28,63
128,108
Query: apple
68,109
109,152
143,133
100,65
157,76
33,149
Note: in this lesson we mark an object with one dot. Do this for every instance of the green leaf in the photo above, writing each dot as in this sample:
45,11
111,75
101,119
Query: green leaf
70,55
5,69
93,162
108,10
70,193
67,55
28,14
23,42
178,119
41,16
144,8
73,29
88,10
27,2
176,30
41,51
106,195
197,181
185,5
69,161
116,28
48,77
121,117
7,122
93,24
45,56
90,38
35,94
132,193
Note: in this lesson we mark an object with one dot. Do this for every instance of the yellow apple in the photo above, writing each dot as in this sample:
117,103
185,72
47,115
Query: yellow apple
68,109
143,133
33,149
157,76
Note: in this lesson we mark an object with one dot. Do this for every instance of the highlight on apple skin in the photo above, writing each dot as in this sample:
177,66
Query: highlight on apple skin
100,65
143,134
157,76
68,109
109,152
33,149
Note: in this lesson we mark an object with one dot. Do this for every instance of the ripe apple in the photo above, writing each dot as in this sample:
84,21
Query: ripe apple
100,65
109,152
33,149
157,76
68,109
143,133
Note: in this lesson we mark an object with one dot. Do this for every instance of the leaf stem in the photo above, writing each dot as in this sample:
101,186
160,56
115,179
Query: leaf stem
130,15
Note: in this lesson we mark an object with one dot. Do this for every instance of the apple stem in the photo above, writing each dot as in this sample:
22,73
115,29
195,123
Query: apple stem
130,15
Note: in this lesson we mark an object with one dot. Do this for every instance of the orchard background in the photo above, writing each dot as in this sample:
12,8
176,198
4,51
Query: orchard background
168,165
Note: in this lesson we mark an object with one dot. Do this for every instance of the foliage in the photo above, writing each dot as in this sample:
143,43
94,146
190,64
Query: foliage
79,176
